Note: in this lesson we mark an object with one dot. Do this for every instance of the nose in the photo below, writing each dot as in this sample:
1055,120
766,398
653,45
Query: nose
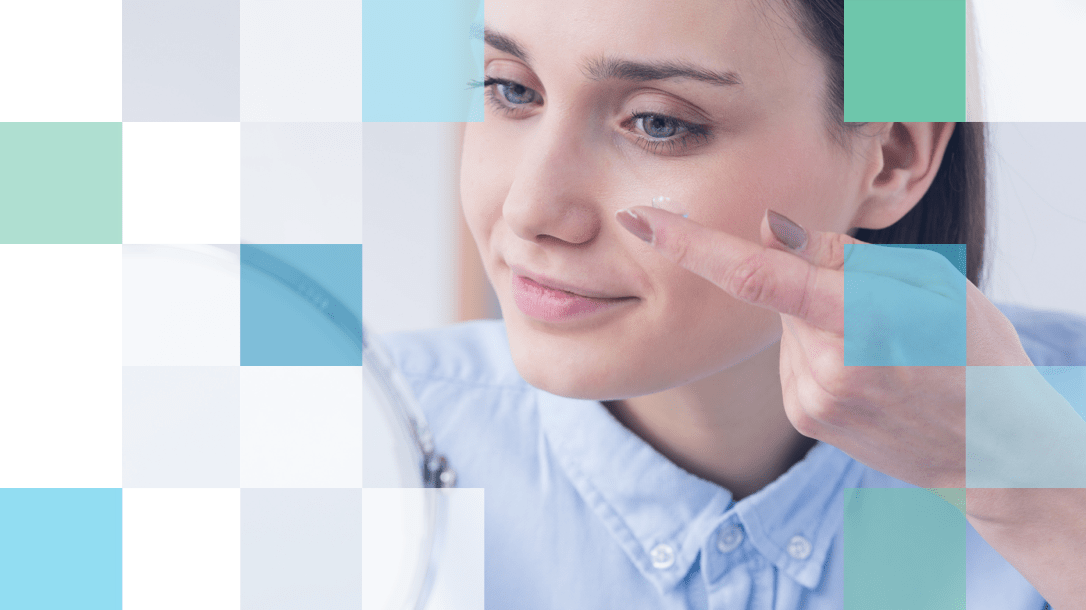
557,185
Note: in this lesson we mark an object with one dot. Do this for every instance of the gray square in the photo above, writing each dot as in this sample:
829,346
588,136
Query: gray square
302,548
301,183
181,426
181,60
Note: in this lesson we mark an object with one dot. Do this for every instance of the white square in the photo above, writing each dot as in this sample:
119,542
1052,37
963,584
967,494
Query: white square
1028,59
301,426
301,60
182,306
181,183
181,549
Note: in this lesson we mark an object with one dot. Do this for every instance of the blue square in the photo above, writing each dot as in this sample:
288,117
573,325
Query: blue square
301,305
905,305
60,549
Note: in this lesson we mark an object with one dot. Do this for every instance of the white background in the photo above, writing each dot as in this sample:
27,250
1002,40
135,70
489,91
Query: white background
1031,59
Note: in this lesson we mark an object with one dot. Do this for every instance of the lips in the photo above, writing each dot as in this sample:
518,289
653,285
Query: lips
554,284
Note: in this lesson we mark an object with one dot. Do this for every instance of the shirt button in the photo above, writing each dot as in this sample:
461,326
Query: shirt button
799,547
730,538
663,556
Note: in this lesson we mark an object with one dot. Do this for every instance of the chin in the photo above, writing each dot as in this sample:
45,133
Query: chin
568,377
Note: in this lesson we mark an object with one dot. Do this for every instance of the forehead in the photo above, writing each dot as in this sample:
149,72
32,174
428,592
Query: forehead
756,38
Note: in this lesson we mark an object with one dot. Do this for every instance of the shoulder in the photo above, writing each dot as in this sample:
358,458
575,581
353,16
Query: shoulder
1050,338
464,380
483,415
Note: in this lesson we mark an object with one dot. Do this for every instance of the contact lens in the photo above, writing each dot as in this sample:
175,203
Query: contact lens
662,202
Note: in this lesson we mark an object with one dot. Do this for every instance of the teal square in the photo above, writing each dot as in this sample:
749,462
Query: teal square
60,549
418,58
905,60
301,305
905,305
60,183
904,549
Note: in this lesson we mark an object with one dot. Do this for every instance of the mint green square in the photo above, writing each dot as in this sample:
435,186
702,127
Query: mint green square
60,183
904,549
904,60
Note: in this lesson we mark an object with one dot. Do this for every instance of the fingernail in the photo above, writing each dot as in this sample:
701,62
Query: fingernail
634,224
788,232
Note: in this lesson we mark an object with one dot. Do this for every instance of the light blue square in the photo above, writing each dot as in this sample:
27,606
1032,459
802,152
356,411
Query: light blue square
1024,427
904,549
60,549
301,305
905,305
1070,382
418,57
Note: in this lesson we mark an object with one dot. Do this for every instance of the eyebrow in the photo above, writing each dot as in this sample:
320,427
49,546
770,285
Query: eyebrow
607,68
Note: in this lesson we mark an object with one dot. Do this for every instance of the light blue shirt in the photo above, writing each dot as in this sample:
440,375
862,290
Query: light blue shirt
582,513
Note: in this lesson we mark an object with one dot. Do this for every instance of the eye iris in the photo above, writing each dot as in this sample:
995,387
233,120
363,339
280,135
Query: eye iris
658,127
521,94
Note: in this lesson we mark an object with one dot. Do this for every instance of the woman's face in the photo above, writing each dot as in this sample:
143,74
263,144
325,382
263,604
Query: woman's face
562,150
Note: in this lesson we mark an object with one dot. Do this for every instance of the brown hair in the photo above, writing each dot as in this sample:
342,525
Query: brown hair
954,209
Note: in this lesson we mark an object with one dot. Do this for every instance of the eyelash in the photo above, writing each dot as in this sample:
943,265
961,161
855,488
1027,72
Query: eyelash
692,135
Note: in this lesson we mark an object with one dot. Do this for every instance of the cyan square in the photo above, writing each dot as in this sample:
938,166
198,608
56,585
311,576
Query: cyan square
60,549
905,305
418,59
301,305
904,549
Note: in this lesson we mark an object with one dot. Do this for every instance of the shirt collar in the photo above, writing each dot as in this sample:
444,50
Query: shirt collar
646,501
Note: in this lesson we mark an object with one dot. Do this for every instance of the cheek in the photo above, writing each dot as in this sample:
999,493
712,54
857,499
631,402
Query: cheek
480,189
803,178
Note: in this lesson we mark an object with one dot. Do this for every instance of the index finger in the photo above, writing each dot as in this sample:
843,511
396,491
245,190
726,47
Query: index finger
762,276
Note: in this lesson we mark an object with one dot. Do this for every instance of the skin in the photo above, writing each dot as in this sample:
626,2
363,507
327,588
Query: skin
688,367
729,358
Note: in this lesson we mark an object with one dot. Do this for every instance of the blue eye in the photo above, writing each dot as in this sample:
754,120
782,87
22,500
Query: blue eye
657,126
511,94
520,93
676,134
510,98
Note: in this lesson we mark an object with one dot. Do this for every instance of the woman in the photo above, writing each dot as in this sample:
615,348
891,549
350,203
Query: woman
657,445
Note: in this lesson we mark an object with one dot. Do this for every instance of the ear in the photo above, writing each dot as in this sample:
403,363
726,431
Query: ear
905,160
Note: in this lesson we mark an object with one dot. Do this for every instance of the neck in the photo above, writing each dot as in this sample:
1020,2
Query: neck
729,428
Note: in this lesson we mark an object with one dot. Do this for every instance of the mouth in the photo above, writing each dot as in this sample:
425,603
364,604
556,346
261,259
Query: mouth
555,305
543,281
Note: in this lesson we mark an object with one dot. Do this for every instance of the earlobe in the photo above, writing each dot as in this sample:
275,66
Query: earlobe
909,157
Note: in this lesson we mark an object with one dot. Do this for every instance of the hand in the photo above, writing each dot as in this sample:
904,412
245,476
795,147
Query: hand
906,421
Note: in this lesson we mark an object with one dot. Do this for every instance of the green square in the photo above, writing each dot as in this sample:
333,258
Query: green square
904,549
60,60
59,366
904,60
60,183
